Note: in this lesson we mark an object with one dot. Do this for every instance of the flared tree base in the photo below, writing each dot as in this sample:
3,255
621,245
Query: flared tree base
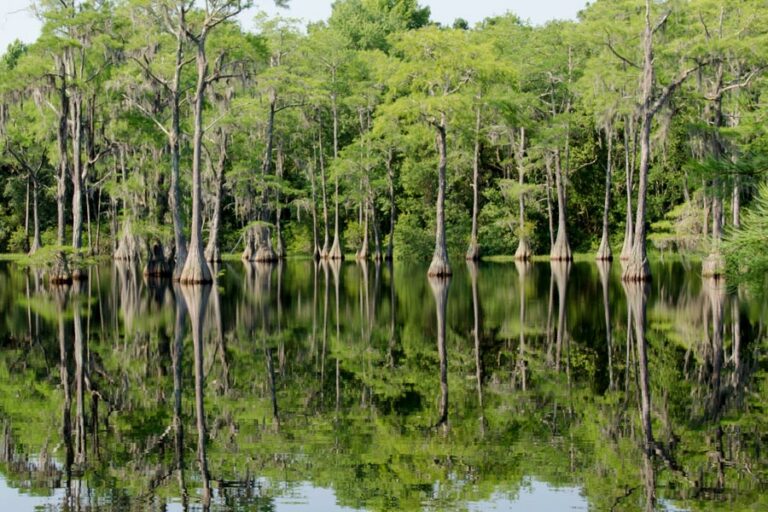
637,269
60,273
196,270
561,251
335,252
604,252
157,265
713,266
440,267
212,254
473,251
523,252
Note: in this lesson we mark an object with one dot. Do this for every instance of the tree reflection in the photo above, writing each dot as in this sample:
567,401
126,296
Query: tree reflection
439,286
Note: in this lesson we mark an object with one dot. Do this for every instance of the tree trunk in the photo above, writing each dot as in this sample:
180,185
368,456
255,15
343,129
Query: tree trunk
637,268
280,250
316,251
604,252
391,183
473,252
36,241
61,141
523,252
714,264
212,251
377,255
561,251
336,253
550,214
362,254
440,265
174,139
196,269
325,251
266,165
76,126
626,248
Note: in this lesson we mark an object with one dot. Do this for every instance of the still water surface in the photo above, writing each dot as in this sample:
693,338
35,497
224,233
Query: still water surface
305,386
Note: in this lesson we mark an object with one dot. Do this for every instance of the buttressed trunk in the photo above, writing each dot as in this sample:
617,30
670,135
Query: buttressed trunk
212,251
561,251
440,265
604,252
523,252
637,268
196,269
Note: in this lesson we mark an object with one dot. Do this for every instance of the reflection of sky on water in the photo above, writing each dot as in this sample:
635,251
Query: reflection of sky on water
305,497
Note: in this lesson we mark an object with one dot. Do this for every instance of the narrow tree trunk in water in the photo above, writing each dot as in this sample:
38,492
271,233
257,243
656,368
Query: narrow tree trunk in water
212,251
196,269
77,170
335,252
714,264
316,253
626,248
523,252
280,251
561,251
324,252
36,241
391,180
362,254
440,265
604,252
180,241
473,252
60,273
550,214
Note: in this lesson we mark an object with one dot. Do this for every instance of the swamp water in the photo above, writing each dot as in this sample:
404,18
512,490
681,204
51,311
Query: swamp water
304,386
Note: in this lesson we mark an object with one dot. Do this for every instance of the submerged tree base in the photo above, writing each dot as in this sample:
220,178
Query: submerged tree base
213,254
473,252
604,252
523,252
196,270
636,270
258,245
561,251
440,267
335,252
60,273
713,266
157,265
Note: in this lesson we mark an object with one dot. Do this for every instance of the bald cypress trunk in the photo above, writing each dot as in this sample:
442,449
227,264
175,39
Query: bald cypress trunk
196,269
604,251
440,265
561,251
212,251
523,252
473,252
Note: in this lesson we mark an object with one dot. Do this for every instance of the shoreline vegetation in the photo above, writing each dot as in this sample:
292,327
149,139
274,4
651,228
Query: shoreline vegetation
165,132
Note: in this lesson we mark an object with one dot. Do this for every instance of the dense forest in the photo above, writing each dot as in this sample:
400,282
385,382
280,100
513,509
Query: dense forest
160,131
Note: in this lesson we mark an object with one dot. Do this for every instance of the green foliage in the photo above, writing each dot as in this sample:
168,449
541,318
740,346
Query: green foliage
744,248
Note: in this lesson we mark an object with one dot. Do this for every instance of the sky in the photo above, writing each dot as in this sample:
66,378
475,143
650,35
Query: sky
18,22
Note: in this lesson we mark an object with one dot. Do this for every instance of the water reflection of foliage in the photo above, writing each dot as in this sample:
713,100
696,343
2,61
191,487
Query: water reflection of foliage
281,347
